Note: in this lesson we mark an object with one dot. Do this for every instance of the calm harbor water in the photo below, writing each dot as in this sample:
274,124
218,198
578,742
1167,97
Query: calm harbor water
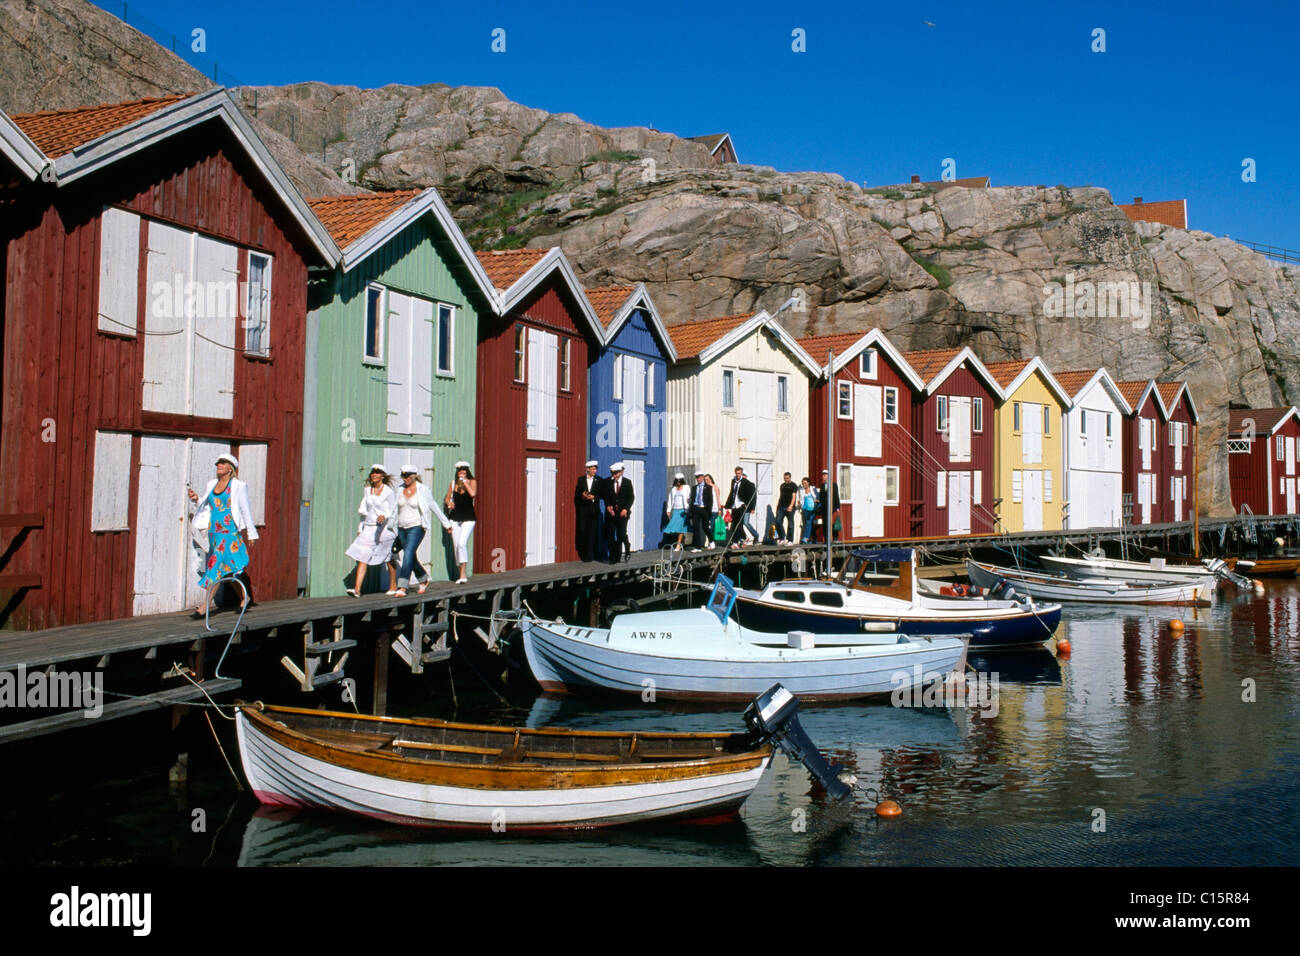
1143,731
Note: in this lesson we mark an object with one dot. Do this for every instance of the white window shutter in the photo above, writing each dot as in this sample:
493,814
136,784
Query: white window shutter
111,488
977,488
1016,481
943,489
1047,486
252,471
119,271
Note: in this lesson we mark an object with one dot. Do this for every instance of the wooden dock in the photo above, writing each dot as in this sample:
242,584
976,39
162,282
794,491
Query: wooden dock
317,634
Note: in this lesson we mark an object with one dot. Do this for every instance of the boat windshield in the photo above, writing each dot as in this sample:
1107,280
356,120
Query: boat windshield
849,573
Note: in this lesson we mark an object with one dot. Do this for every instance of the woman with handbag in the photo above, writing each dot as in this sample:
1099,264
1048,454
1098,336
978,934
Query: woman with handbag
376,533
808,508
460,511
225,512
679,502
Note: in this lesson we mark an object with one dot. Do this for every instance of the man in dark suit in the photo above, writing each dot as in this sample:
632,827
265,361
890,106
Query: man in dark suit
586,503
701,514
739,501
619,496
830,494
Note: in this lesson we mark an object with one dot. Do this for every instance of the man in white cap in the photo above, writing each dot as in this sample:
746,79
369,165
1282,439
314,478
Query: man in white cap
618,505
586,505
701,514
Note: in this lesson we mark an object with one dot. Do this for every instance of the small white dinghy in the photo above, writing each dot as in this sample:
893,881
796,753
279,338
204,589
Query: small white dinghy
700,653
1097,590
1155,571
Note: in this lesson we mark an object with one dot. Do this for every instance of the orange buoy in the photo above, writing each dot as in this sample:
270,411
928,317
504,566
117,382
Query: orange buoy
1176,627
1258,587
888,808
1062,648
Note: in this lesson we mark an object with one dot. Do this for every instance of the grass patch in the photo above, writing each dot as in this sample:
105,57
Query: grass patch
613,156
967,245
606,193
769,197
882,223
940,273
884,193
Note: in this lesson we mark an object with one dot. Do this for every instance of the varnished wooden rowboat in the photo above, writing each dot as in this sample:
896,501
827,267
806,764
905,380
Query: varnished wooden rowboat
433,773
1265,567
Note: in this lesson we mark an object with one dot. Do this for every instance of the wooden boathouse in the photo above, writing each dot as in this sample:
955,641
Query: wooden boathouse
392,368
154,296
627,385
1028,469
1094,449
1262,452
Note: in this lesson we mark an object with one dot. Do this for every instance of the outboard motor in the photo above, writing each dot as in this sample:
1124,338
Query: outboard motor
1219,568
773,716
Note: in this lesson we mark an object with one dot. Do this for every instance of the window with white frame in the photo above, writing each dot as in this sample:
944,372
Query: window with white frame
1281,448
257,320
782,395
891,484
941,412
1015,416
845,484
867,363
565,358
891,406
844,400
521,352
372,347
1238,446
618,379
446,339
977,414
1047,419
650,383
728,389
1108,434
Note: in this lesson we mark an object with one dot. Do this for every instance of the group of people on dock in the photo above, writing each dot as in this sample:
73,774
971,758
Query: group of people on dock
701,510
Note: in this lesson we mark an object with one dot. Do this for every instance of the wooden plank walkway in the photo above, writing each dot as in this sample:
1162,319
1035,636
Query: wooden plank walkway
93,640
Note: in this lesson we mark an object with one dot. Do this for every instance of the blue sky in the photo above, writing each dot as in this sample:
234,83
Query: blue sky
1183,93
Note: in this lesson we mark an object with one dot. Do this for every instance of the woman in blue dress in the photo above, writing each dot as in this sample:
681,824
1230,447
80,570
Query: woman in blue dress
228,515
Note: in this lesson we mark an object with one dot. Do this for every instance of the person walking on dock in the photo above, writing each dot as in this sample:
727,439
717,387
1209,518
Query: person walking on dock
785,506
679,501
808,507
701,513
376,533
416,510
225,505
586,505
739,502
618,505
715,536
460,510
829,507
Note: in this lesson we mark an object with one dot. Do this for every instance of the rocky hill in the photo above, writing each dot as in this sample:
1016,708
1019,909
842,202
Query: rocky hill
1012,271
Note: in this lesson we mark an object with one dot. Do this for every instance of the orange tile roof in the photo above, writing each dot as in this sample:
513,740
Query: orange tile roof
692,338
607,300
1005,372
930,363
1265,419
58,132
1172,212
1168,391
1132,391
1072,381
507,267
348,218
820,346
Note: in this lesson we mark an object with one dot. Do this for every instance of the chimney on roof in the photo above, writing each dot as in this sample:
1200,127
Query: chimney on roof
916,179
1137,200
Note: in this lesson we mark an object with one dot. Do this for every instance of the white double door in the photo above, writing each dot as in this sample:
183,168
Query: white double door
1146,495
959,499
869,501
167,563
539,511
756,406
1032,501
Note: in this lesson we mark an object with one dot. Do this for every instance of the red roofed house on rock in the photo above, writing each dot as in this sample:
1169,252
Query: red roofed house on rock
1171,212
874,395
952,481
531,438
154,296
1177,451
1262,460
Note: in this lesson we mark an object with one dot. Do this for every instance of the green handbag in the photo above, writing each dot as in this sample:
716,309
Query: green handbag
837,527
719,529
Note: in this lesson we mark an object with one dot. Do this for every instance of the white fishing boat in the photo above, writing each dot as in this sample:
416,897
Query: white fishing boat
701,653
1157,570
434,773
1096,590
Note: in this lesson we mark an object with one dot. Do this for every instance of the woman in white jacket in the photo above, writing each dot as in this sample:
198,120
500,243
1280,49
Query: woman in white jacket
225,506
415,513
374,541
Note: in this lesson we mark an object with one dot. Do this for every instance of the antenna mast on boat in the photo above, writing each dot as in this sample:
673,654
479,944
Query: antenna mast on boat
832,398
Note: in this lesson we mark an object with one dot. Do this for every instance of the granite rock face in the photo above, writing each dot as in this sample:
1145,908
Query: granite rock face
1012,271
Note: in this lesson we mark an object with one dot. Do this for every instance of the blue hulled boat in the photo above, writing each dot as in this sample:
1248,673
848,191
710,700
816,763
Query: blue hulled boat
880,589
